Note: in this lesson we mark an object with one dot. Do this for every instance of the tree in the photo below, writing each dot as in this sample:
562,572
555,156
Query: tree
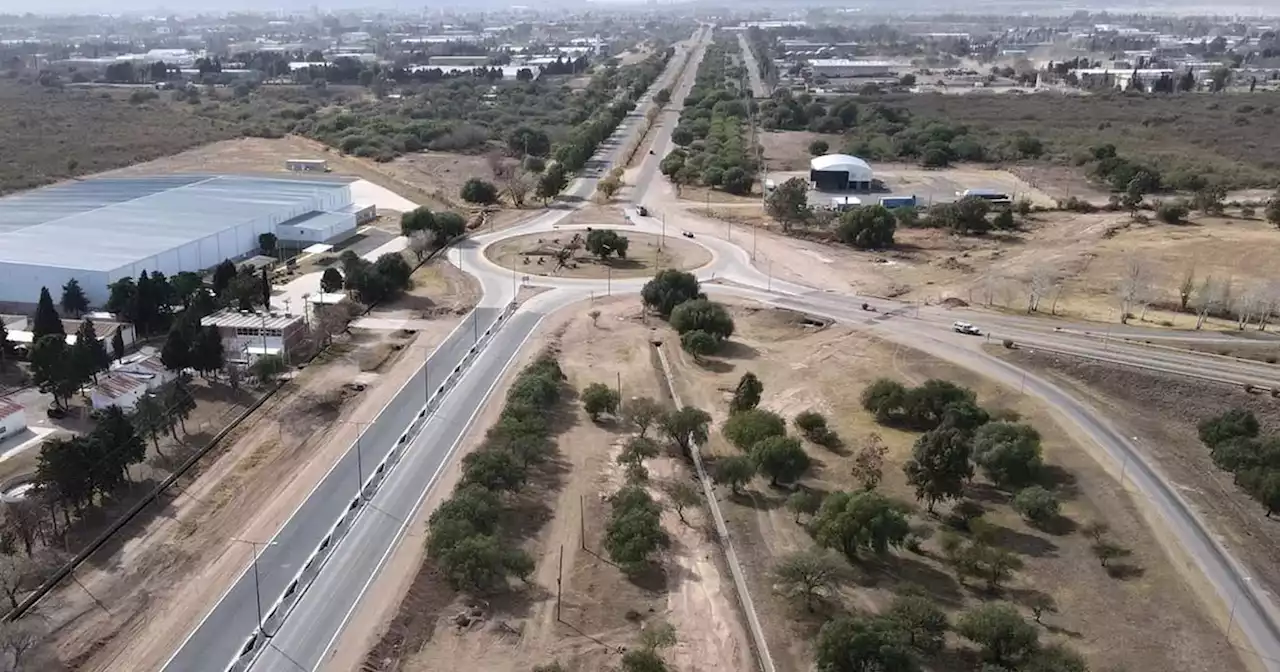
939,466
478,563
966,216
605,242
682,494
207,355
1187,82
868,462
668,289
494,468
852,522
176,353
746,395
861,644
53,368
700,314
223,274
46,321
20,639
599,398
418,219
636,450
15,573
267,368
117,345
118,437
1036,504
804,502
476,190
748,428
331,281
1106,551
1172,212
642,660
699,343
642,412
1237,423
781,458
809,575
813,426
1040,604
1005,637
8,351
662,96
1009,453
267,243
920,620
89,353
885,398
449,225
533,142
74,301
867,227
789,203
609,185
685,427
818,147
634,531
1272,211
734,471
552,182
737,181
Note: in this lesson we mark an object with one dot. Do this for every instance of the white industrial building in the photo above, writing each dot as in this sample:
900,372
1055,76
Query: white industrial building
840,172
101,230
836,68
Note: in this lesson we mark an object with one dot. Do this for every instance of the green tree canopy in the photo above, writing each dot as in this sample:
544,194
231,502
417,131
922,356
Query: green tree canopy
747,428
781,458
700,314
1009,453
668,289
867,227
854,522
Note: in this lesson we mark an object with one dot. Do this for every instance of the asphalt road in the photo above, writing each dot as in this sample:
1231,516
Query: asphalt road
305,637
758,88
224,629
300,635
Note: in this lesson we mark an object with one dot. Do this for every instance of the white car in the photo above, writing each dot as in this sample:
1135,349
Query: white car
965,328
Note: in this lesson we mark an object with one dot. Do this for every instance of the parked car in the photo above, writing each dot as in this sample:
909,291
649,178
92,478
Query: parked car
965,328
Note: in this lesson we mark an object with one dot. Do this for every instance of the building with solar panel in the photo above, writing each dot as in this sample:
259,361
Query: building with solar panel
101,230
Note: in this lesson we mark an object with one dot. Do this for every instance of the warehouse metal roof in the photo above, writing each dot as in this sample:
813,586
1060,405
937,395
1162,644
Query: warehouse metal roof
104,223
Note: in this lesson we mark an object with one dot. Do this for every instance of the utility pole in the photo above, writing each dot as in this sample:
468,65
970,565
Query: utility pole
257,584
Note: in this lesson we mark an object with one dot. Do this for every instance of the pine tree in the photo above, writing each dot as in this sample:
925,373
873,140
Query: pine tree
74,301
206,352
117,344
53,370
176,353
119,444
46,321
144,316
222,276
8,351
88,353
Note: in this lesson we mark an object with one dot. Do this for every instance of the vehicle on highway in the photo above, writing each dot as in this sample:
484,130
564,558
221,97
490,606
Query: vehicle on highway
687,234
651,151
965,328
642,211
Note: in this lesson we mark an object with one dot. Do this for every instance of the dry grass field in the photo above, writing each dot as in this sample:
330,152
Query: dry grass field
1151,620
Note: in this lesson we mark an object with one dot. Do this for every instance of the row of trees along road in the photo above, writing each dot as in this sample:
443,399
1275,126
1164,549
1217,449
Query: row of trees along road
464,537
711,148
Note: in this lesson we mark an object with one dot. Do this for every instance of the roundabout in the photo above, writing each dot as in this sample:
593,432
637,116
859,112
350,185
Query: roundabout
564,254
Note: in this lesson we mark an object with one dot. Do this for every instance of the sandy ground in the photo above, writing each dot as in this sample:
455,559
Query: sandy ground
1151,621
534,254
164,576
601,610
1162,411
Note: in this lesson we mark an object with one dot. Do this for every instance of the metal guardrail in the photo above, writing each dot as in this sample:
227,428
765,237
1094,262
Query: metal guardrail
283,606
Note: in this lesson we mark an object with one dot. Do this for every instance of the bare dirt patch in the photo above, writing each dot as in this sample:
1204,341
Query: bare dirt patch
1151,621
602,610
536,254
1162,411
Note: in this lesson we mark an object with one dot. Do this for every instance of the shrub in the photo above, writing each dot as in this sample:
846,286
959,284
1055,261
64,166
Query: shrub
747,428
1172,212
476,190
700,314
599,398
818,147
1036,504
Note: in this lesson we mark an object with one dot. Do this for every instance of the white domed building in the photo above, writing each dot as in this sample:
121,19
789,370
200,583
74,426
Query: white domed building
840,172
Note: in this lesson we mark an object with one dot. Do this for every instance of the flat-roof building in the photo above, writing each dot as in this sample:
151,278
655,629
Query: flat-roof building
101,230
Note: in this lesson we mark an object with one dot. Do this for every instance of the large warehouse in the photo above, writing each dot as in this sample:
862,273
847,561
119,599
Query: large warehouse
840,172
100,230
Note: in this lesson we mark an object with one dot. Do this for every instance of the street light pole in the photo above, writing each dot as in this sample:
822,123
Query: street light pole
257,582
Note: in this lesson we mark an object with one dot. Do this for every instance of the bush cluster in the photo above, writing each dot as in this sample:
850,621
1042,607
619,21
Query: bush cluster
713,151
1234,442
463,535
